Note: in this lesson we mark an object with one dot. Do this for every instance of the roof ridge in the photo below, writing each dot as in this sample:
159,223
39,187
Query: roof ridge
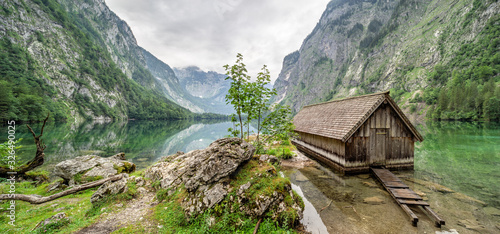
348,98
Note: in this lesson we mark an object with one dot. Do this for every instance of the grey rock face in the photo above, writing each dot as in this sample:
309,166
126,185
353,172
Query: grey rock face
269,158
361,47
92,166
110,188
201,167
202,172
210,88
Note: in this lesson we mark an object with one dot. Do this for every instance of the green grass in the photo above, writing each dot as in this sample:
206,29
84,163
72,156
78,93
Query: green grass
29,215
76,206
283,150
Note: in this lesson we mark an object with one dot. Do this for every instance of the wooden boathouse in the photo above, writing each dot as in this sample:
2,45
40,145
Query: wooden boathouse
356,133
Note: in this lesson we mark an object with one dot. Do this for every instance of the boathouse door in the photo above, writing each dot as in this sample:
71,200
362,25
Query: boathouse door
378,146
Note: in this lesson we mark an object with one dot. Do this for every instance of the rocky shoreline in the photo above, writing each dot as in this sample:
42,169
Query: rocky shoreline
214,185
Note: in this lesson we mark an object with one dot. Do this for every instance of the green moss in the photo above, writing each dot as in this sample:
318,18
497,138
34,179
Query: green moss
38,175
126,167
171,216
139,173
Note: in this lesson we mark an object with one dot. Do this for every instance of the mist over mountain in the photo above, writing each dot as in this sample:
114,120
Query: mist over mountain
210,87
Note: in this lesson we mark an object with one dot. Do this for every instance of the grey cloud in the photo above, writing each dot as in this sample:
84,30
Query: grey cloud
209,33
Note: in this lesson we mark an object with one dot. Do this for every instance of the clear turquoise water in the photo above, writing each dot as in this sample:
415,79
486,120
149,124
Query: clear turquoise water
462,156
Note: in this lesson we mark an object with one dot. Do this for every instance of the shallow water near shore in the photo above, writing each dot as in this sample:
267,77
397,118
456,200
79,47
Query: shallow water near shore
456,171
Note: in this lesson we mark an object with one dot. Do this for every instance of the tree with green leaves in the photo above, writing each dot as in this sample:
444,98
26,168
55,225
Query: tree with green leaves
237,93
252,100
259,98
278,124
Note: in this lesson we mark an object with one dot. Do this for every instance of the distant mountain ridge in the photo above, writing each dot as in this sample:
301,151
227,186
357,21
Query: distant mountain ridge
210,87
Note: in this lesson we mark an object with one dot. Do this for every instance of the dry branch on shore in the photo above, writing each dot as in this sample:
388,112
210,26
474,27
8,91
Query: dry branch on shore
36,199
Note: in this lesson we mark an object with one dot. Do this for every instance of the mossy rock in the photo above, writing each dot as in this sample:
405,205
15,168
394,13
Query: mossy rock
126,167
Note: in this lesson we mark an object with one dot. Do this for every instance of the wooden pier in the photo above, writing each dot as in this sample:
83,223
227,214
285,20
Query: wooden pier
404,196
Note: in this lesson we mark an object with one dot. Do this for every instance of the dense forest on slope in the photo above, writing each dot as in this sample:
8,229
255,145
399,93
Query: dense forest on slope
467,86
439,58
98,87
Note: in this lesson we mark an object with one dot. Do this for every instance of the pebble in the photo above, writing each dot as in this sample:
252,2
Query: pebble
364,176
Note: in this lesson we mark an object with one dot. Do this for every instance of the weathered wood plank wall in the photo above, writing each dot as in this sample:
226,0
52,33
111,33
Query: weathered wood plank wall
328,144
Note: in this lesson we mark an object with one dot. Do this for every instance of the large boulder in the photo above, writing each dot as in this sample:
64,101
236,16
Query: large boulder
91,167
211,177
201,167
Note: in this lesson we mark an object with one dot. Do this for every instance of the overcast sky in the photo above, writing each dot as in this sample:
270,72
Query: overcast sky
209,33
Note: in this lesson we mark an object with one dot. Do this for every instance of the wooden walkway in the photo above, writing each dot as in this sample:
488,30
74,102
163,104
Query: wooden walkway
404,196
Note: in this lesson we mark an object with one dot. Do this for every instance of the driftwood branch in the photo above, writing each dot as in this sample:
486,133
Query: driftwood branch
326,206
33,163
37,199
257,226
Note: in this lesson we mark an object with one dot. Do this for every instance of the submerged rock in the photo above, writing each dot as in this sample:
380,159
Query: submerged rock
470,200
369,184
301,178
430,185
373,200
492,211
92,167
472,224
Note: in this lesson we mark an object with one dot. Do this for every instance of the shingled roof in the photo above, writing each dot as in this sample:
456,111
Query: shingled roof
339,119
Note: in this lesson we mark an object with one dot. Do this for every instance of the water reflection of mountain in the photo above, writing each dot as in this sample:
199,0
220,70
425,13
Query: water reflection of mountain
142,141
197,136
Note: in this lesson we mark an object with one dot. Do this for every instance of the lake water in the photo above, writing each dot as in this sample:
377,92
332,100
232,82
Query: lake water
464,157
143,142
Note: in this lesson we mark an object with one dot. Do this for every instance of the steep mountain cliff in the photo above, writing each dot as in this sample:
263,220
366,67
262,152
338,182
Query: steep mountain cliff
210,88
138,64
55,61
413,47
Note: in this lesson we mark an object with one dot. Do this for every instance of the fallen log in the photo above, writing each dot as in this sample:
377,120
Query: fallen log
37,199
33,163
